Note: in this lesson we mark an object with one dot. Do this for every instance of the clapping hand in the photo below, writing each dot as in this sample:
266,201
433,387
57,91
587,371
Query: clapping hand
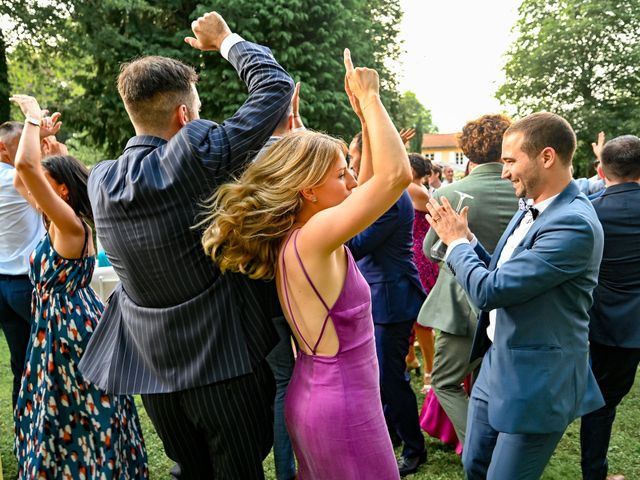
448,224
50,125
597,147
407,134
295,108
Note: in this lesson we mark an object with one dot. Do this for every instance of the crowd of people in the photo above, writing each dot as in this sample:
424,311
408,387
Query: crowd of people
273,281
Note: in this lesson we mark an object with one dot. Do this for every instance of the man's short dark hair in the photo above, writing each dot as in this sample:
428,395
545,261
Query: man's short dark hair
481,139
542,130
621,158
437,169
8,130
152,87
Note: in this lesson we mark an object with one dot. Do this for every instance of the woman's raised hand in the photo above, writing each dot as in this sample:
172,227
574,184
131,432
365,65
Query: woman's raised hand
361,84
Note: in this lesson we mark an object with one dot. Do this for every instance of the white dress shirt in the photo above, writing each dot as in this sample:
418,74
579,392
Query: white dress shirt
512,242
21,226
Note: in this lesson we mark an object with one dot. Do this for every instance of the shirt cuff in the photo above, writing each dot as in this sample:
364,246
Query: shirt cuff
229,42
457,242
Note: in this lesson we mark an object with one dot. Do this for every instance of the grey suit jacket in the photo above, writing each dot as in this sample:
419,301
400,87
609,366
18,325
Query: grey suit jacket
448,307
175,322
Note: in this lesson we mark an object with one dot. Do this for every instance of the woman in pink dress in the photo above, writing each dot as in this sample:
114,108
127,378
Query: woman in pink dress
428,270
288,217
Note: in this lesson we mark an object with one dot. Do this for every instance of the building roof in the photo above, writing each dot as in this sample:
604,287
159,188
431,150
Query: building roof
440,140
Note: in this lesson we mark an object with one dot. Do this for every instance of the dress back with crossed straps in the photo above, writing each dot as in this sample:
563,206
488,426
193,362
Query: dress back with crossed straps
333,408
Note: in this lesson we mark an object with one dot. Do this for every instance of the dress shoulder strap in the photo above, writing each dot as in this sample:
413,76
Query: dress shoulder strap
286,293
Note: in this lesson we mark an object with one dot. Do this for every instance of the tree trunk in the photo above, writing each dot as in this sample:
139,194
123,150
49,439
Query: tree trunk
4,82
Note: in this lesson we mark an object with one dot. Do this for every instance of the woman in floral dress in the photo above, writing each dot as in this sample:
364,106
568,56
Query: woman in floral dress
66,428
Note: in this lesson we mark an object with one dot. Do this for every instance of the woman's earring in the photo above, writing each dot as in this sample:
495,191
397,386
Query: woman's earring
314,199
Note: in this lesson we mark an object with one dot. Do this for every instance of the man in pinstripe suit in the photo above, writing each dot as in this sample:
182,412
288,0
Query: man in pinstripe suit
191,341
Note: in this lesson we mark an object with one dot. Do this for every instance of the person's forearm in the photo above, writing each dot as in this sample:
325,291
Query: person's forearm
270,91
28,155
366,167
388,155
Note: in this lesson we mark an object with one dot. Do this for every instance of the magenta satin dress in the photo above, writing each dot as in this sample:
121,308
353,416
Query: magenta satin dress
333,409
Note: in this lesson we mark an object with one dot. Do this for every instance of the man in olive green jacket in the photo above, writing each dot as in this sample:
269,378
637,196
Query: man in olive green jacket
448,308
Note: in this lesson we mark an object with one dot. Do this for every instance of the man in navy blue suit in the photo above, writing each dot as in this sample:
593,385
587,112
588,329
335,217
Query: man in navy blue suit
614,330
384,256
535,292
193,342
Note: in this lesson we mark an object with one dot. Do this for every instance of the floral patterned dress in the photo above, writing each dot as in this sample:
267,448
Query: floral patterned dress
65,427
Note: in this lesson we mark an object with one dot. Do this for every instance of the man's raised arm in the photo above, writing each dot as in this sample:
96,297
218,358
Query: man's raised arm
270,90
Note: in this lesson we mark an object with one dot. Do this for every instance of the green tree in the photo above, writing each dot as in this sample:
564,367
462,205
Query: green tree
580,59
412,114
307,37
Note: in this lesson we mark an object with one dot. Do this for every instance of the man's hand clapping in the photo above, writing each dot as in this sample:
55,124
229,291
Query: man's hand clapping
446,222
209,30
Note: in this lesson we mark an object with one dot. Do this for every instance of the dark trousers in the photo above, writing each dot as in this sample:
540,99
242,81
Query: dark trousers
398,399
492,455
615,370
281,361
15,320
219,431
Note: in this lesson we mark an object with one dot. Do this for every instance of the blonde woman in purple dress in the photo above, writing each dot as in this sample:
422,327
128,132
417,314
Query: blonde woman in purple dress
288,217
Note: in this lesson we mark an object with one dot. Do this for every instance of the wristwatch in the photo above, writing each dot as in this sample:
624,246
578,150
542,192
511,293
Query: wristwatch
33,120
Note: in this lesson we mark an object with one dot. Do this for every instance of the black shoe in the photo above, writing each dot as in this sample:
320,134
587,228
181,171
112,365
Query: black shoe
175,471
408,465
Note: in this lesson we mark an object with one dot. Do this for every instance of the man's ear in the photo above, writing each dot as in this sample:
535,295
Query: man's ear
290,122
45,146
183,115
549,157
600,171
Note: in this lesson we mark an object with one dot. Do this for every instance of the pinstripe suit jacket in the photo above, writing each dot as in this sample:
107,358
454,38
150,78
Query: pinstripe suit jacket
175,322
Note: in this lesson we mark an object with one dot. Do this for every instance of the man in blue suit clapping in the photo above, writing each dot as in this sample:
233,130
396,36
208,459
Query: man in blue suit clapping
535,292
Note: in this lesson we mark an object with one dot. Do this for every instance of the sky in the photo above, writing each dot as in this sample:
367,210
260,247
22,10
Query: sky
453,56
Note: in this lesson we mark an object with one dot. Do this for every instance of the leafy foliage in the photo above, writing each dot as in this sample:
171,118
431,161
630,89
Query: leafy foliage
580,59
306,37
412,114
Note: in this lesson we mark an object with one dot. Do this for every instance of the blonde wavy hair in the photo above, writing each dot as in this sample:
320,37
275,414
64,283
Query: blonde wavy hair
248,218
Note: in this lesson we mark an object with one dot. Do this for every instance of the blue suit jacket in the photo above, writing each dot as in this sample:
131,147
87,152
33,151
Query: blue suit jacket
539,377
175,322
615,315
384,256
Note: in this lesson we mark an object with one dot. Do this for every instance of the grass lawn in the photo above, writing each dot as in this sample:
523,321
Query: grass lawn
443,464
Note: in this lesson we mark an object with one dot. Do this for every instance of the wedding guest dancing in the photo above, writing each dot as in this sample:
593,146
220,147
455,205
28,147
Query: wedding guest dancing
448,308
21,229
288,217
534,292
65,426
191,341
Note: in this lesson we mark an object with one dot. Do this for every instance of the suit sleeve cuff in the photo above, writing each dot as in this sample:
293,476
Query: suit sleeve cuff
460,241
229,42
